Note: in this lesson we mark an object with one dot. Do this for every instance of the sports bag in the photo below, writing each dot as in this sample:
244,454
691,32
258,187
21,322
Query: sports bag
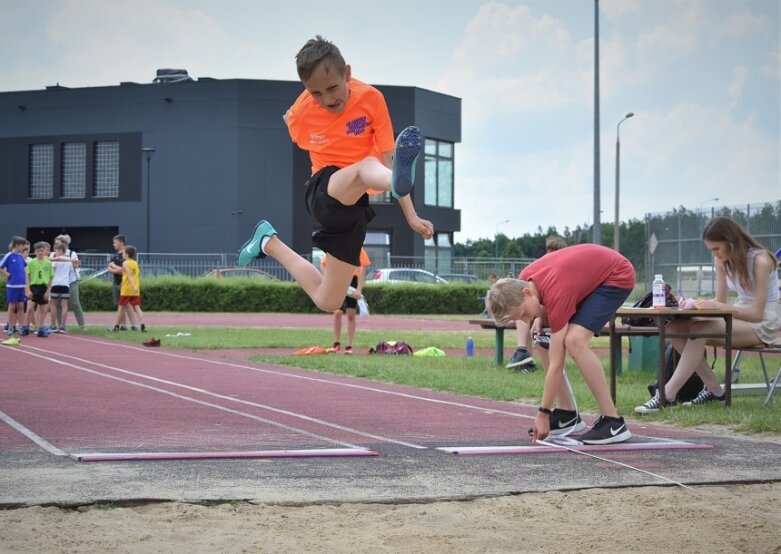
647,301
391,347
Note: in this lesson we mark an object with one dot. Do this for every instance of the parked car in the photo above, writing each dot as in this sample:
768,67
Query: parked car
460,277
403,275
239,273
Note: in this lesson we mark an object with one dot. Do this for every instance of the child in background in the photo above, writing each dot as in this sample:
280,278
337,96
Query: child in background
60,289
350,305
40,273
13,268
130,292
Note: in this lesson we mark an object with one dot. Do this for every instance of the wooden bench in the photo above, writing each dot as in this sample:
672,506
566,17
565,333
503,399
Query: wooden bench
623,330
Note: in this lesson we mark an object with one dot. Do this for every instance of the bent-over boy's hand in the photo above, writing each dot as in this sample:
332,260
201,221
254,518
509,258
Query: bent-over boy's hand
541,427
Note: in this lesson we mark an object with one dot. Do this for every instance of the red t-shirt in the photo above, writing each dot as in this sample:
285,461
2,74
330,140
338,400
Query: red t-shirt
363,129
564,278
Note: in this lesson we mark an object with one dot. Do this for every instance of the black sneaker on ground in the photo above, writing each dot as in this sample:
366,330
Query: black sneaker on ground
542,338
606,430
654,405
563,422
523,360
704,397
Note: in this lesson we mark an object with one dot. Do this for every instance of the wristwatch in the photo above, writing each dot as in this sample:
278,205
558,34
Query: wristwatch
544,410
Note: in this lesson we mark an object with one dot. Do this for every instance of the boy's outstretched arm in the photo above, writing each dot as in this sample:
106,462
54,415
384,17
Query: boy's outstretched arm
422,226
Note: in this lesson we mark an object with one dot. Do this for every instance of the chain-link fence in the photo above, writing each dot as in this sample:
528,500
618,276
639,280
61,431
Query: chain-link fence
674,246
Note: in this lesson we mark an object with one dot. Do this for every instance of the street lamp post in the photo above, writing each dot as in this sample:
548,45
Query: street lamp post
496,238
148,155
617,222
702,228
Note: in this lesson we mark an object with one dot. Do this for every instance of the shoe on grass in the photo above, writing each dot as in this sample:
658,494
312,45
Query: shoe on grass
522,359
704,397
606,430
251,249
336,347
408,146
654,405
542,339
348,350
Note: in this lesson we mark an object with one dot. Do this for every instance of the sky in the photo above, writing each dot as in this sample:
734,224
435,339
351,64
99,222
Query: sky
700,76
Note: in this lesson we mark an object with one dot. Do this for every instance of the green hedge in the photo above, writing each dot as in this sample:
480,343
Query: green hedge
177,294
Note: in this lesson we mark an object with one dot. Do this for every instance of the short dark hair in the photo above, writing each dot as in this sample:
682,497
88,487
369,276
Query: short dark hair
318,51
131,251
41,244
120,238
17,240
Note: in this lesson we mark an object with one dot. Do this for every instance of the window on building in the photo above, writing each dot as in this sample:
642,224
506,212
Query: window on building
439,173
41,171
106,170
438,252
377,246
74,170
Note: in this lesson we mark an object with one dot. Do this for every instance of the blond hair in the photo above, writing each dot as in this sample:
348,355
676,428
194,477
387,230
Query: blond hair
504,296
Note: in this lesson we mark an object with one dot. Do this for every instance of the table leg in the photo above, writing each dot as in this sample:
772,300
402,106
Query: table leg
499,354
661,378
615,353
728,361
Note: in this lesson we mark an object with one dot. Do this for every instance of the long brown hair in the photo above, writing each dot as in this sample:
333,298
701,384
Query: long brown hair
725,229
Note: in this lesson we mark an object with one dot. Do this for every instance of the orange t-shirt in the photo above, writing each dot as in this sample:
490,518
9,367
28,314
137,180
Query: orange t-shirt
365,262
363,129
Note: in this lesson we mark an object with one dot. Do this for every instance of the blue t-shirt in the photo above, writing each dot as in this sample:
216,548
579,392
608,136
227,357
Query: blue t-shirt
13,263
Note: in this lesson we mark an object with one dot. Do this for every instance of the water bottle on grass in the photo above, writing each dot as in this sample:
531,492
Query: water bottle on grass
470,347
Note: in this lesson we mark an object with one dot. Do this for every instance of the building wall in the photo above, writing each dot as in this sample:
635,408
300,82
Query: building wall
223,159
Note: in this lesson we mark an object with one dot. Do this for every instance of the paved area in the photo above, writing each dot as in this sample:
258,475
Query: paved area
121,398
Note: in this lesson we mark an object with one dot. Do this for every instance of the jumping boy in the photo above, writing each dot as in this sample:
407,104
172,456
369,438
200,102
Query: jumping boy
40,273
13,267
345,126
577,289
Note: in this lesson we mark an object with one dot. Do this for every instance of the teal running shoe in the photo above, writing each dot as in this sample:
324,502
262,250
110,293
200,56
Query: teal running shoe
408,146
251,249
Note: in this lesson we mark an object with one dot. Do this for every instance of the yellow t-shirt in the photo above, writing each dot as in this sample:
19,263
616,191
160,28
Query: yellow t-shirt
125,289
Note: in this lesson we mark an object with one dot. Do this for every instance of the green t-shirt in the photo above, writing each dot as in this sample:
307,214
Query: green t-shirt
40,271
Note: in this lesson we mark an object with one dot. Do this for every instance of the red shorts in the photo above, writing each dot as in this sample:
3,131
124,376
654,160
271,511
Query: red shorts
131,300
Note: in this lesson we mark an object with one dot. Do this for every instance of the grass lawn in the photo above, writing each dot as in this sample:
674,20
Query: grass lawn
472,376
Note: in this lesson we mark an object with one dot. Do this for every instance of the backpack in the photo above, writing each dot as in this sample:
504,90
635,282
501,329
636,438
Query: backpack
690,389
391,347
647,301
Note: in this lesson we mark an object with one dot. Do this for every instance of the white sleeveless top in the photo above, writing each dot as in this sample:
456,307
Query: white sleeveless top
747,295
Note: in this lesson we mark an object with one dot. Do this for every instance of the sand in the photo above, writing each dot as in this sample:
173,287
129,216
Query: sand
732,518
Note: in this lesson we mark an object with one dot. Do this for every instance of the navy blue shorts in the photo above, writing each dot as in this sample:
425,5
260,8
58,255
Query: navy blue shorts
342,228
14,295
598,307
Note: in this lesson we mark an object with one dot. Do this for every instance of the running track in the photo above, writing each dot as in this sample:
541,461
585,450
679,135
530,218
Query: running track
77,395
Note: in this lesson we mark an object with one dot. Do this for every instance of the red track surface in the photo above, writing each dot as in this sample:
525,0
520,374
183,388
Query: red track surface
84,394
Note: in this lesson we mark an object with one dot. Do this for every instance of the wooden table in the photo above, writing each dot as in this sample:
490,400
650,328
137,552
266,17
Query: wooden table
660,317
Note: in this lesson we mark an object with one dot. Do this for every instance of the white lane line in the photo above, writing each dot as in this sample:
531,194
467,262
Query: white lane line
43,443
313,379
221,397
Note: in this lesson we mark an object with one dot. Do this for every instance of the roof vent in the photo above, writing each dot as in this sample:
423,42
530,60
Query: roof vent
166,76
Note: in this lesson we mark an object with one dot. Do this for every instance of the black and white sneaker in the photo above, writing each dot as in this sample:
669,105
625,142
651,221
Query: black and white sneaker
522,360
704,397
564,422
542,338
654,405
606,430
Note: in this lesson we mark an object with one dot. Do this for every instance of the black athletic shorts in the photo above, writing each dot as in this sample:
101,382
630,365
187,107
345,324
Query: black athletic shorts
38,294
342,228
349,301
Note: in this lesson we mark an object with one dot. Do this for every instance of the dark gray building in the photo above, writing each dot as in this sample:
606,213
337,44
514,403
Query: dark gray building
218,158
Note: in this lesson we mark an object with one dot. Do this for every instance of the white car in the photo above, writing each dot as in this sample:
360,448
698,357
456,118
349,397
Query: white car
403,275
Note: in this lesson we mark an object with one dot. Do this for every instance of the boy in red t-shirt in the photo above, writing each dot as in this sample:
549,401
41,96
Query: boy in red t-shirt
345,126
577,289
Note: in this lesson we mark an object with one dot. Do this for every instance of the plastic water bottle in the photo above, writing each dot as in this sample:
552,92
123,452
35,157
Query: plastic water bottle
658,293
470,347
